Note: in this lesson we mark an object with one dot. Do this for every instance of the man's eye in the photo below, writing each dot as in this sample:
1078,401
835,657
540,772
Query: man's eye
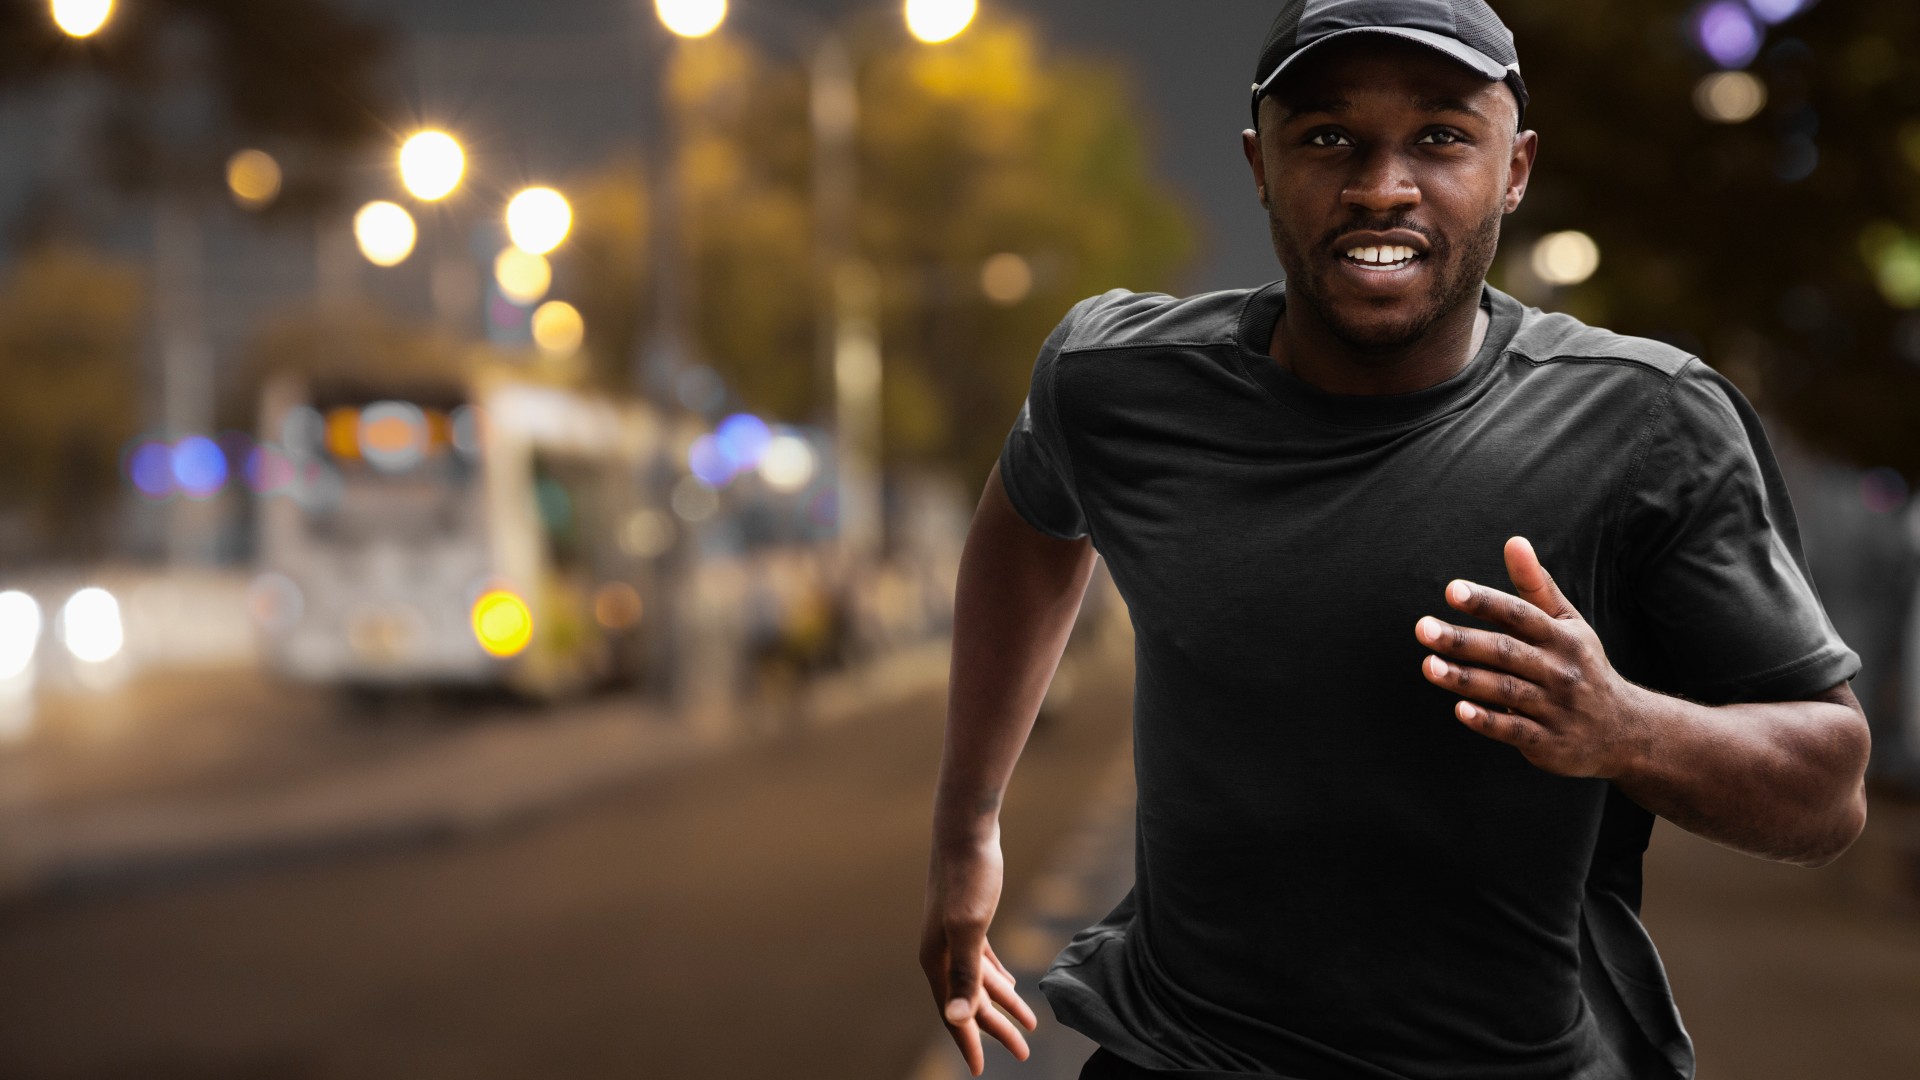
1326,138
1440,138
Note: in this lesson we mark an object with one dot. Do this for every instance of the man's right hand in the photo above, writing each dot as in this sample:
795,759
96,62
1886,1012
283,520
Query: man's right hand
968,980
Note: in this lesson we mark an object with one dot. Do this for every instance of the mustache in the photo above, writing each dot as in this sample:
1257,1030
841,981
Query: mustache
1332,236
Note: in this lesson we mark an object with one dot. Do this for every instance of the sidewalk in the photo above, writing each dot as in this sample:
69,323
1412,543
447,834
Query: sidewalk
466,779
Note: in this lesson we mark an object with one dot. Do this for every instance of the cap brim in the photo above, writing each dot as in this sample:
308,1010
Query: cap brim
1473,58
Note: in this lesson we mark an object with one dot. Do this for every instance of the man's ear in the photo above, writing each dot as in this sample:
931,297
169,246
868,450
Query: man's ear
1250,146
1526,147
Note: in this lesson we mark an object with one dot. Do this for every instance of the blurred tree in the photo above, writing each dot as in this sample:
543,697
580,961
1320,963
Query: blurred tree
70,330
982,147
1785,250
605,268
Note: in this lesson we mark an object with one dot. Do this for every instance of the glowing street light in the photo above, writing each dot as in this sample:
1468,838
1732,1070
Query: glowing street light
81,18
90,626
523,277
558,329
386,233
538,219
1565,258
254,178
431,165
691,18
935,21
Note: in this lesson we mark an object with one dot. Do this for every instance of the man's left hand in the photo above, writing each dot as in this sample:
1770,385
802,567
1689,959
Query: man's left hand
1545,686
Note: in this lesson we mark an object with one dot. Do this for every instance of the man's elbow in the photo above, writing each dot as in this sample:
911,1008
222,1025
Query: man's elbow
1851,821
1853,742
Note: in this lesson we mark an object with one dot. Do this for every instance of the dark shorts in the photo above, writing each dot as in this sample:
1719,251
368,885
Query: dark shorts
1106,1065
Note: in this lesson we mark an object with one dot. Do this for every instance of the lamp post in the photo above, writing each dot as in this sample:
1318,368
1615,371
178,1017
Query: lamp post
850,347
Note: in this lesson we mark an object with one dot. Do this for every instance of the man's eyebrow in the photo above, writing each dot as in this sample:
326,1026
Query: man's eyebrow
1307,107
1449,104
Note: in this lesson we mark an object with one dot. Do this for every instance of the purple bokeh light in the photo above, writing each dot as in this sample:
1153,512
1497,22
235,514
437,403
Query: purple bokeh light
744,439
1726,31
1778,11
199,467
150,467
709,462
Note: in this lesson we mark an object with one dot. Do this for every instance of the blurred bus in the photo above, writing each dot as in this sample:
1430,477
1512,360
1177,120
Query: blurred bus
487,531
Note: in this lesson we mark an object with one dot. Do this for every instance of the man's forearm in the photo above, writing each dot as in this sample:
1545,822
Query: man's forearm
1015,602
1781,780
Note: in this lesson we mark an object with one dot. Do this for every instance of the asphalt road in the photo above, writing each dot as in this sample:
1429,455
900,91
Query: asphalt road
752,915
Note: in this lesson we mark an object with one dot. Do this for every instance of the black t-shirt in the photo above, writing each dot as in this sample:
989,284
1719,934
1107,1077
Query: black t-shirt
1335,878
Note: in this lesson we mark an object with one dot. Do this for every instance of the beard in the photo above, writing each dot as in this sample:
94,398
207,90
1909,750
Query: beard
1458,271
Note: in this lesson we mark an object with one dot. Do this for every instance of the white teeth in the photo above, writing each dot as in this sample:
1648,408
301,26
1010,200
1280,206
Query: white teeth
1381,256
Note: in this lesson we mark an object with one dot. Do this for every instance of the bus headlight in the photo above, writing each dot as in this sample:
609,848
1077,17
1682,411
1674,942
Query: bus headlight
90,626
19,632
502,623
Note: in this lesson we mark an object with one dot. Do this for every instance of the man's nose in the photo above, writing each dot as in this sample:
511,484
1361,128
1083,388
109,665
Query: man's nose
1381,182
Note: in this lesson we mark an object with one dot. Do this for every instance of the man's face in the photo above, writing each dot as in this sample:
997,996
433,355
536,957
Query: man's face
1385,169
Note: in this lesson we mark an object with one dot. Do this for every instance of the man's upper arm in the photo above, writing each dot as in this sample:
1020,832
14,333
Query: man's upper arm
1715,561
1035,467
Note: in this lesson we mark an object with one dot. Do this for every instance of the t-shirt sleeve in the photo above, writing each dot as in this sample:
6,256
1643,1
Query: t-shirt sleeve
1034,465
1715,560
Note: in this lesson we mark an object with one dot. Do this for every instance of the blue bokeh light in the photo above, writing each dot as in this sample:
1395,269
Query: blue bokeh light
199,466
744,439
709,462
150,467
1778,11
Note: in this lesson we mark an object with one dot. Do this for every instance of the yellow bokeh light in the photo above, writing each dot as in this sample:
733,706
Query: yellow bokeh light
538,219
1565,258
523,277
1006,279
254,178
343,432
691,18
935,21
1730,97
81,18
558,328
386,233
431,165
502,623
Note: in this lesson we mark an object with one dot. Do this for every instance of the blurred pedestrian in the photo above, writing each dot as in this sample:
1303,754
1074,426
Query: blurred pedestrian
1372,842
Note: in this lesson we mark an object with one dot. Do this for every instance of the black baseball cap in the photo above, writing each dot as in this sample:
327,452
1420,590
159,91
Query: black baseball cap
1465,30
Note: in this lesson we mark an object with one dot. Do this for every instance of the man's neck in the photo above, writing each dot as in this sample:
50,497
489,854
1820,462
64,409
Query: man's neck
1307,347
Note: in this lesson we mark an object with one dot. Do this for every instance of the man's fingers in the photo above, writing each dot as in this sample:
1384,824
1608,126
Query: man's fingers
994,1023
966,1035
1502,652
987,947
1001,992
1530,576
1493,687
1506,727
1527,622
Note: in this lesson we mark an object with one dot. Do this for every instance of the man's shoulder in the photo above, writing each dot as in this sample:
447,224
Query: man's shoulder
1124,319
1549,338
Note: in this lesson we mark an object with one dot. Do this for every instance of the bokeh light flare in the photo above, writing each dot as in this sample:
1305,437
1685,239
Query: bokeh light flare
1728,33
1565,258
254,178
90,626
789,464
199,467
386,233
502,623
19,632
431,165
558,329
743,438
935,21
81,18
523,277
1730,97
691,18
538,220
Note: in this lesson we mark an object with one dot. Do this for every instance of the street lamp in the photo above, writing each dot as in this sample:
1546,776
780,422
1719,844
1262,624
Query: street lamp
386,233
538,220
691,18
935,21
81,18
431,165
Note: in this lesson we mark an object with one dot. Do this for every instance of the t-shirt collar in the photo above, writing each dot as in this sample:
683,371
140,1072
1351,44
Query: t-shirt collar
1255,336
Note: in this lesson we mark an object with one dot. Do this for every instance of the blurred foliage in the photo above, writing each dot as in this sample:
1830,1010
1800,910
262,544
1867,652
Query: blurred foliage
1802,288
70,333
194,81
983,146
605,270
